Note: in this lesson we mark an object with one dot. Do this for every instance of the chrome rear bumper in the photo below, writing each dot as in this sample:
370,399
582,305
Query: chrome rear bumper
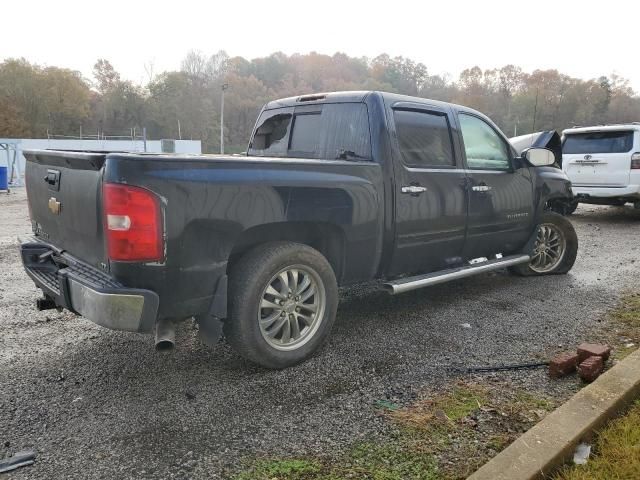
87,291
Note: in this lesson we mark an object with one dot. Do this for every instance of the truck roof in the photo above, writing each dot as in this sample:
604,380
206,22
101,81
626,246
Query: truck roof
602,128
352,96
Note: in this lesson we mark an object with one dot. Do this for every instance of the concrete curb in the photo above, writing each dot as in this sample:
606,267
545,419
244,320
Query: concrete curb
550,443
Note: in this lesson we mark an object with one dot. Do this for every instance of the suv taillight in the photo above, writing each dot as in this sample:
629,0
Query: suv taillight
635,161
133,223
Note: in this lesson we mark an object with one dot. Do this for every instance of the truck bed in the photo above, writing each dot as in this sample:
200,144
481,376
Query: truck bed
212,207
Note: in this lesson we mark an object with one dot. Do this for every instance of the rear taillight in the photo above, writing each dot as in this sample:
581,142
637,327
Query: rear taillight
133,224
635,161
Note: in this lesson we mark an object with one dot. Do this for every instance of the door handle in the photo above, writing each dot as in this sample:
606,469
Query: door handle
481,188
413,189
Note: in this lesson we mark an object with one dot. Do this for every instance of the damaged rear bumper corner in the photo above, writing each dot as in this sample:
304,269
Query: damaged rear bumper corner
117,309
87,291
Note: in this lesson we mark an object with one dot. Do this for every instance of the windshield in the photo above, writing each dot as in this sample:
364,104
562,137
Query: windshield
599,142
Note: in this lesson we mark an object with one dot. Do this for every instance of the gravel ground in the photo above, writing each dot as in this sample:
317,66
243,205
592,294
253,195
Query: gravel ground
95,403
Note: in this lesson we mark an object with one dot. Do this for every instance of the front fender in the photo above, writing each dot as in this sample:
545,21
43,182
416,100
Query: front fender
551,184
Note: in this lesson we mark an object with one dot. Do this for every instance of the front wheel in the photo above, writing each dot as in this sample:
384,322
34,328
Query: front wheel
555,248
283,301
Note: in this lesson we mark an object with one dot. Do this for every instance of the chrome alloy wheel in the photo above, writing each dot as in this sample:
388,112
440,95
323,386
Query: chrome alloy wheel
291,307
549,248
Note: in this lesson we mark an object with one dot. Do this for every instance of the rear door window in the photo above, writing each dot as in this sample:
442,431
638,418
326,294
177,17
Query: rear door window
271,136
599,142
424,138
337,131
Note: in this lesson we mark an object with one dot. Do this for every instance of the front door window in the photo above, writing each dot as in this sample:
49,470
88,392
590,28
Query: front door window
484,148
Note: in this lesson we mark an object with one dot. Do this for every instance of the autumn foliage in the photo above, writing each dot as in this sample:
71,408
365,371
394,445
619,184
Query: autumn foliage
37,100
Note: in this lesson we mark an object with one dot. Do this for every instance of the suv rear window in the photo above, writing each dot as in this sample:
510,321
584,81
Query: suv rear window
331,131
599,142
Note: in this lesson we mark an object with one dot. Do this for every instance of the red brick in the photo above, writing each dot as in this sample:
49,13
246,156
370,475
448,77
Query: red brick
563,364
586,350
591,368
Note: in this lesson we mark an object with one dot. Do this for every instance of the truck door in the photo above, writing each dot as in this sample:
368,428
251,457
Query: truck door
501,206
430,196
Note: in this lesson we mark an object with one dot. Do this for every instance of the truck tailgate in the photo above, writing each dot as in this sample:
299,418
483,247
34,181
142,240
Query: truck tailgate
64,190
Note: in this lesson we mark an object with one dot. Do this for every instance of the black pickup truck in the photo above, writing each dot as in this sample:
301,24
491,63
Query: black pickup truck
335,189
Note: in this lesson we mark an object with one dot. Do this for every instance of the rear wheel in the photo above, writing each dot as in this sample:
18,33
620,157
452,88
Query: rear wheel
283,301
555,248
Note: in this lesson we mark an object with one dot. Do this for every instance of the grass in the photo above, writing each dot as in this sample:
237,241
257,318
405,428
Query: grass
443,409
388,461
622,351
434,438
626,317
295,469
628,311
617,452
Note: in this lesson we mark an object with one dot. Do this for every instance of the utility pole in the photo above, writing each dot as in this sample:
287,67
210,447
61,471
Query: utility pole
535,111
144,138
224,87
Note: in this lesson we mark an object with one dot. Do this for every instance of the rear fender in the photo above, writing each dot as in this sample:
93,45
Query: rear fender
329,239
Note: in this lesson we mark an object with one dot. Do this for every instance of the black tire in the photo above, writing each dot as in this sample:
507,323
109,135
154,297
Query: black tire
568,257
248,282
619,203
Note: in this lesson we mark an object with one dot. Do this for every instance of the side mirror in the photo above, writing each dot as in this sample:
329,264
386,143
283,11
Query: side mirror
539,157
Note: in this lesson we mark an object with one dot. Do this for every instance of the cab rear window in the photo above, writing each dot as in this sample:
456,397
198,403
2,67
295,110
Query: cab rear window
337,131
599,142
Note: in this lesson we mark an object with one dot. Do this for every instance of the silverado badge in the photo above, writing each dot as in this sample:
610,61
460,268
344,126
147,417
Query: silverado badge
54,206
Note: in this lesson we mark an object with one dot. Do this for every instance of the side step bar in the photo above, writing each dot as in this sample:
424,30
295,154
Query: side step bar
419,281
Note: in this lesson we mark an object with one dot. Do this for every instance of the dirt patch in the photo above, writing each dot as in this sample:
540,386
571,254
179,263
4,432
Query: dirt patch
468,423
446,435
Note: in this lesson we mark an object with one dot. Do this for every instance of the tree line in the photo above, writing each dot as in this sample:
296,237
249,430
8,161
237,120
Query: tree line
36,101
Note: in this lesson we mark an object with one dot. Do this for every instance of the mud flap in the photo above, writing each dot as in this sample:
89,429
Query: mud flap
210,329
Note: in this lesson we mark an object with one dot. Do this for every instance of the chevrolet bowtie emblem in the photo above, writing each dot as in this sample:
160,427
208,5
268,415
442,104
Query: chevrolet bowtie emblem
54,206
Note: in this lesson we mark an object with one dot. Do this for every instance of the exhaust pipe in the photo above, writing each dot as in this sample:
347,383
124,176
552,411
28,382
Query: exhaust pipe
165,335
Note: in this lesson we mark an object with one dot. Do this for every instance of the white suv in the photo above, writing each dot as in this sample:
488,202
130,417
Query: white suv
603,163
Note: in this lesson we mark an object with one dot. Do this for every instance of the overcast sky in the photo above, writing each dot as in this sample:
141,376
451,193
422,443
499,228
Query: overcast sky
584,39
